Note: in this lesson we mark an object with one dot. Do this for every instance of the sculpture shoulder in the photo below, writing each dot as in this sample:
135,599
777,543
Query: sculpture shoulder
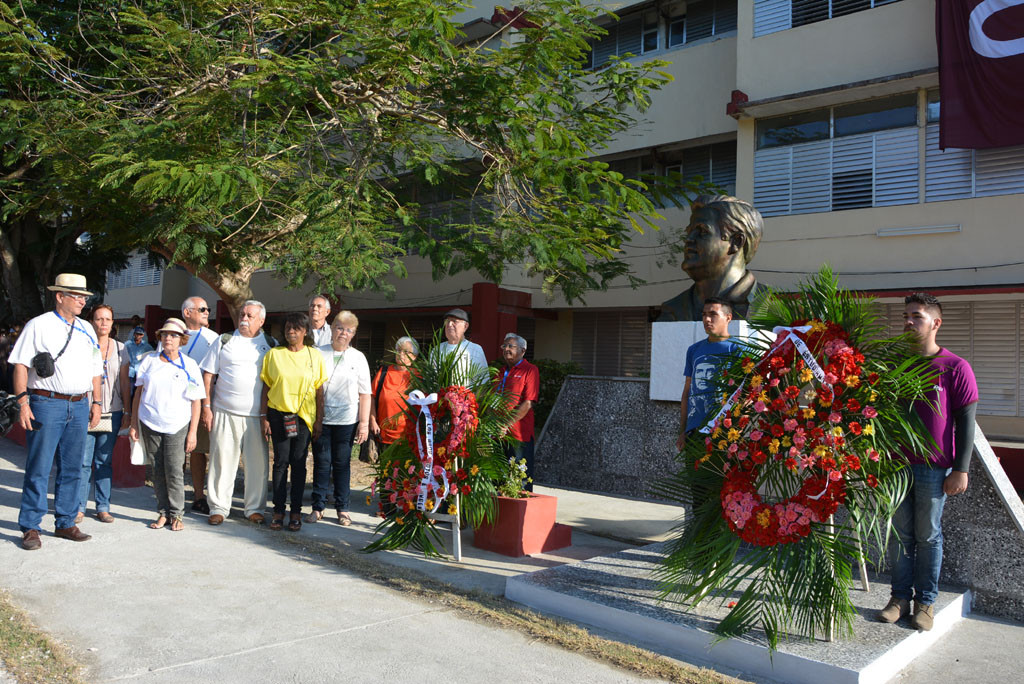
679,308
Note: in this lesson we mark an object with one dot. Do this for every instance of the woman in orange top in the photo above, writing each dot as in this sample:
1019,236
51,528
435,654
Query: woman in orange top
390,387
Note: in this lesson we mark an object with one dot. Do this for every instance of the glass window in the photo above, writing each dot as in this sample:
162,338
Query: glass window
876,115
933,106
793,128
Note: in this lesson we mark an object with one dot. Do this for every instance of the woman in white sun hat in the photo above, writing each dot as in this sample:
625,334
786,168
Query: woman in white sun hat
166,416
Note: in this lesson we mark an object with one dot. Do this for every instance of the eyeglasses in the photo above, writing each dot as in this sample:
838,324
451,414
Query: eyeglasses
76,296
509,346
203,309
350,331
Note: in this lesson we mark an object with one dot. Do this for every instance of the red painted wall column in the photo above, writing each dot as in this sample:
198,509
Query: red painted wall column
493,316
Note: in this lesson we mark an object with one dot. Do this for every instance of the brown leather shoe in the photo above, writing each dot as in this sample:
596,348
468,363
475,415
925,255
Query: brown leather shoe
104,517
257,519
72,533
216,519
30,541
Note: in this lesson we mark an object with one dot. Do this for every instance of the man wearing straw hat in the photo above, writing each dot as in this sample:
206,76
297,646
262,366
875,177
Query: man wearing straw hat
56,364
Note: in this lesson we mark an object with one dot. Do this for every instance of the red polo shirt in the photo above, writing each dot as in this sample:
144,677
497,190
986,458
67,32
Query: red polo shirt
521,383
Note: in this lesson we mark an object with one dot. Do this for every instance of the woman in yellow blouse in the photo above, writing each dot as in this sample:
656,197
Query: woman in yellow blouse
292,410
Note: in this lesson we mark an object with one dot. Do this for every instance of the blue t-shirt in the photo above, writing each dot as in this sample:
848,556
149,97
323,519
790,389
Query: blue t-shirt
703,361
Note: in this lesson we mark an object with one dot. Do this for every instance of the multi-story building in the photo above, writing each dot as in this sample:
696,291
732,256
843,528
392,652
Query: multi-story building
824,113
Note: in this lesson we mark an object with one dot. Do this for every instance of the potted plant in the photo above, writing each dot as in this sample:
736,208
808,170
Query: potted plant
525,522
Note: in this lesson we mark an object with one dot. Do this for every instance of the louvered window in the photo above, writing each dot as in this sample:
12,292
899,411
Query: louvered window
859,155
956,173
141,271
702,20
634,34
714,164
986,334
771,16
612,342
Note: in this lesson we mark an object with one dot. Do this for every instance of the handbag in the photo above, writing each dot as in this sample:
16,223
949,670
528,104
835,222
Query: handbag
105,424
371,448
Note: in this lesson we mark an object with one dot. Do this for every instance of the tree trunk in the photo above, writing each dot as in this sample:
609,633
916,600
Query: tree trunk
23,292
234,288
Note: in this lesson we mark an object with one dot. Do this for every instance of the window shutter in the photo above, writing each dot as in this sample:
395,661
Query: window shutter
841,7
955,333
947,174
995,356
630,36
584,335
700,20
697,162
809,11
605,47
634,343
723,166
771,16
852,172
811,177
772,180
999,171
896,167
725,16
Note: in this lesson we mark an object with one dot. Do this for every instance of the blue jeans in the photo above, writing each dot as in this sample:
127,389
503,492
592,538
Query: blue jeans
99,452
58,430
333,451
521,450
917,554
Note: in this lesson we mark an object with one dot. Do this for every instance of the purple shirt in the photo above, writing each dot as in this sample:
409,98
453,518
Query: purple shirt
955,388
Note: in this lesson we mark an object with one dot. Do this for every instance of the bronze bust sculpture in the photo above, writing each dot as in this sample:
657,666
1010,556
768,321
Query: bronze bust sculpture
719,242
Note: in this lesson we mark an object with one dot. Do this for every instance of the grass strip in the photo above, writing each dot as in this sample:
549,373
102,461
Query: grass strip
497,610
28,654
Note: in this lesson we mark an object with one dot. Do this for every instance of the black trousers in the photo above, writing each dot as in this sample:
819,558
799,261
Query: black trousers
289,453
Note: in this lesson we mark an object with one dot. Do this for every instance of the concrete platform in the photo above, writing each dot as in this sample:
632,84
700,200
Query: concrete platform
617,593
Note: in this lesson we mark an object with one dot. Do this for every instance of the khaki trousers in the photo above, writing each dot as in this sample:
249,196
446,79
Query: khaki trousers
233,436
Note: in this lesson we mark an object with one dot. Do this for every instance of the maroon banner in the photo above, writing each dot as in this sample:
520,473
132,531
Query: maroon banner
981,72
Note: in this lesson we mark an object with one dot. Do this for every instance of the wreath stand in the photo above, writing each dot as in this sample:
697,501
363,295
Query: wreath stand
453,520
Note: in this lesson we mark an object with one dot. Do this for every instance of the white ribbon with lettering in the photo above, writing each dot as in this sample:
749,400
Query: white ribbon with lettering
724,410
425,447
801,347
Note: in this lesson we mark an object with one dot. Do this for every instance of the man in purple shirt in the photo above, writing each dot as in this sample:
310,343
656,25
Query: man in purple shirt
917,558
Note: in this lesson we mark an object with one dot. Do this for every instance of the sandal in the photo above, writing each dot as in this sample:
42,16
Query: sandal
344,519
295,524
177,525
158,523
314,516
276,523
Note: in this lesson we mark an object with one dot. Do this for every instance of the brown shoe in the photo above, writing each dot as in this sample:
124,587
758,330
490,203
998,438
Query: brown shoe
72,533
924,616
344,519
257,519
314,516
30,541
894,610
104,517
80,517
215,519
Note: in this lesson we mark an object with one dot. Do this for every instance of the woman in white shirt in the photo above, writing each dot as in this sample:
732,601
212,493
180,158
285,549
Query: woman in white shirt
97,463
166,417
346,418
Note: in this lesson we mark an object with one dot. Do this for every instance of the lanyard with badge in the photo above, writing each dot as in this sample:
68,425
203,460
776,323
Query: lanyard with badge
504,377
182,367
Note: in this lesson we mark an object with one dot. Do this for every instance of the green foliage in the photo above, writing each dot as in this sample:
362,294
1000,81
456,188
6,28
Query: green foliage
552,376
288,134
513,479
800,587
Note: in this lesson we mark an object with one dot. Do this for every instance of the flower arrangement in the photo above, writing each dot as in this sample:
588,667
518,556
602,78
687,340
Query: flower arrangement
446,461
513,479
806,427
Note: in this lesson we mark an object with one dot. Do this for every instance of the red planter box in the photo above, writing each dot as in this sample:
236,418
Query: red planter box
524,527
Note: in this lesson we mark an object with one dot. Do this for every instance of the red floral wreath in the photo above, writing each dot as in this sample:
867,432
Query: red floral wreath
768,428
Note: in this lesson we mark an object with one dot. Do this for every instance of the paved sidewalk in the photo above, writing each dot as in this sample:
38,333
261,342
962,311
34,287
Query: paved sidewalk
235,604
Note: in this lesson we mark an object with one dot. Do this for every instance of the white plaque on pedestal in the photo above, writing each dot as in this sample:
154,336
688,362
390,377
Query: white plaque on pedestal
669,342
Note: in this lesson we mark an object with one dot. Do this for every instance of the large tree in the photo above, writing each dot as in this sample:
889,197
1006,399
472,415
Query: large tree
315,137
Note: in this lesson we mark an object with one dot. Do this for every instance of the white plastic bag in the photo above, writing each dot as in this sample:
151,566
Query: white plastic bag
138,453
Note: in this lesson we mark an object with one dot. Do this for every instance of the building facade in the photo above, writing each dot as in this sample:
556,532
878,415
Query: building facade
824,113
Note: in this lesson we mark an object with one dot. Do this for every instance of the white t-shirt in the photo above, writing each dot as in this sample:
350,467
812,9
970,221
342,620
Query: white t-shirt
169,389
199,344
75,368
237,366
471,366
348,376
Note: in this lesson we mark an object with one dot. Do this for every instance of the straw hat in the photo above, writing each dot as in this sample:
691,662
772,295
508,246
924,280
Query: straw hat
175,326
70,282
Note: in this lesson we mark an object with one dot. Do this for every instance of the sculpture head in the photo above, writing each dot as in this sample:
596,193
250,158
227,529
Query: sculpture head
722,236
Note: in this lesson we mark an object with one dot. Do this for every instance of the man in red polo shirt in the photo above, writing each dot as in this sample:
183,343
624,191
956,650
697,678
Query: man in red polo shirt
520,382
